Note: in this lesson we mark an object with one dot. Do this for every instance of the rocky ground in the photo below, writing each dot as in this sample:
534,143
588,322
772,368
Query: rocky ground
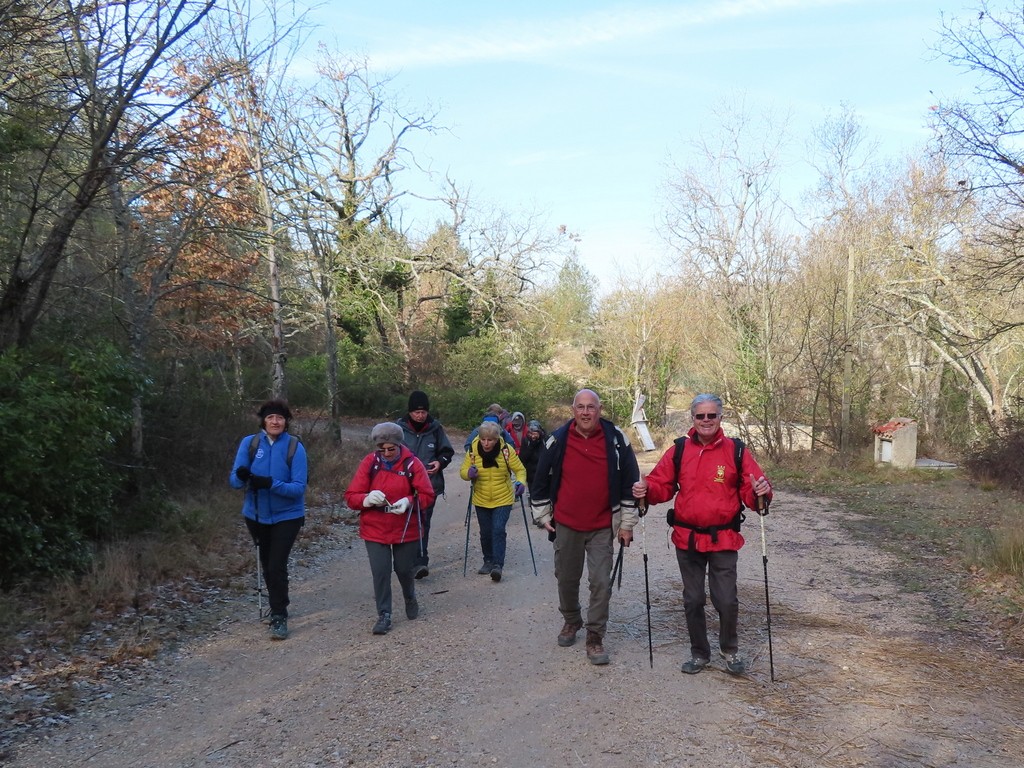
865,673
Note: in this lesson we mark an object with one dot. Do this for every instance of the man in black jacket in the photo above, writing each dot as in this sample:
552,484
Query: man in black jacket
529,451
424,436
582,494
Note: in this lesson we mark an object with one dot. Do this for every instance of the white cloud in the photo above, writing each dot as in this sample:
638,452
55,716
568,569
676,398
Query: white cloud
520,40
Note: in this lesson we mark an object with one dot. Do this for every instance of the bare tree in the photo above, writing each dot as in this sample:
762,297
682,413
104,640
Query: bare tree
840,150
985,128
638,351
256,101
724,215
98,73
946,313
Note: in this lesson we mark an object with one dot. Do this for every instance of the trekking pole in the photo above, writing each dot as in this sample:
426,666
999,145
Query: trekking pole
259,584
408,518
259,563
419,518
617,569
647,579
762,511
469,515
522,505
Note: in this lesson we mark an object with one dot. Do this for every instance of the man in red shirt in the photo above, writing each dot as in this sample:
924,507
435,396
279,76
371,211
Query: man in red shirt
582,494
710,492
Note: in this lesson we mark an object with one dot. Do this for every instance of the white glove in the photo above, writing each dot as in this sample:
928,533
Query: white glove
375,499
400,507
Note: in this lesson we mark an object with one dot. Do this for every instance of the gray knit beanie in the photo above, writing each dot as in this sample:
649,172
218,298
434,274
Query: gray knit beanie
386,432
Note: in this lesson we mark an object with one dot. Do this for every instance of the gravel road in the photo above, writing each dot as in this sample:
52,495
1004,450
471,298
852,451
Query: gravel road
864,675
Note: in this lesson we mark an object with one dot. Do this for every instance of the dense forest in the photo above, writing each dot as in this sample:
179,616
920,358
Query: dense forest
187,228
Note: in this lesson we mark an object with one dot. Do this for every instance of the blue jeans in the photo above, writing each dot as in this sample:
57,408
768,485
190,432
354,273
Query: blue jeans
492,532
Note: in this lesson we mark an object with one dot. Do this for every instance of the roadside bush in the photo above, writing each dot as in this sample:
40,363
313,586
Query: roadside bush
481,370
64,411
998,459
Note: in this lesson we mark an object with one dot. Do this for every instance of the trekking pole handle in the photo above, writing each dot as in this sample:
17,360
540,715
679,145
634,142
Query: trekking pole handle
761,514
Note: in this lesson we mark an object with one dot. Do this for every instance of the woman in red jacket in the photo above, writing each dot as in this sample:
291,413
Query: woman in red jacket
710,491
390,488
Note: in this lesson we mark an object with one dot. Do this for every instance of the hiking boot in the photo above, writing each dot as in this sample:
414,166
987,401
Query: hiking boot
695,665
278,628
734,665
412,609
420,572
485,568
383,625
496,573
596,653
568,634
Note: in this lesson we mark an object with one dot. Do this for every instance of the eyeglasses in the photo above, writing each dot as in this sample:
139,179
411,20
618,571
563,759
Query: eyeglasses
389,448
703,416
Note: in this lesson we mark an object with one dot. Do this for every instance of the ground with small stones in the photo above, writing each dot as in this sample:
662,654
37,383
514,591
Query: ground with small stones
864,674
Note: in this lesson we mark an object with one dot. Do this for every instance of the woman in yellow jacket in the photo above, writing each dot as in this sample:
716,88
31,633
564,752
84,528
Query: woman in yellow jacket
498,478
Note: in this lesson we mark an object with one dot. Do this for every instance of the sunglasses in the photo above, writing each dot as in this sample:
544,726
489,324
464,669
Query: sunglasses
703,416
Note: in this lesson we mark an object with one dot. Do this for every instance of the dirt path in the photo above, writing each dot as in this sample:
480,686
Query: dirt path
864,675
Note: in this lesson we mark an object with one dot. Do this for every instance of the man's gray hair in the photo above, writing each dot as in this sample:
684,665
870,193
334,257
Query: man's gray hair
588,391
706,398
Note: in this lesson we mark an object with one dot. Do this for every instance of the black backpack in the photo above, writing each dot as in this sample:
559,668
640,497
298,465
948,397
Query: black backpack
293,443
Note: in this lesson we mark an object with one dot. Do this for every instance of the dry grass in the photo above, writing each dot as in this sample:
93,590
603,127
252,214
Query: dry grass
1008,551
200,538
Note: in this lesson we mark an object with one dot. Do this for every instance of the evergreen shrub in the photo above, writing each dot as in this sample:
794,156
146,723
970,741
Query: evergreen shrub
64,411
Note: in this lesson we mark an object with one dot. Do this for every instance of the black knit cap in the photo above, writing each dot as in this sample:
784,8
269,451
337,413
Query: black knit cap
280,407
418,400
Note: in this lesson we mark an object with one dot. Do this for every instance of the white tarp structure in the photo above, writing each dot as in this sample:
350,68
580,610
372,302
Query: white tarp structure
639,422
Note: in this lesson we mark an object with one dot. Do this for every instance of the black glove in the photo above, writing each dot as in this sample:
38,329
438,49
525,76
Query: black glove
259,482
243,473
670,516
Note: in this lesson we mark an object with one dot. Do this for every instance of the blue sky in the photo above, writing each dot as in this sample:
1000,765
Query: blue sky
574,108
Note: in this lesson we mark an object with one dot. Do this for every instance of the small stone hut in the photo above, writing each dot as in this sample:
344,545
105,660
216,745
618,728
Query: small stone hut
896,443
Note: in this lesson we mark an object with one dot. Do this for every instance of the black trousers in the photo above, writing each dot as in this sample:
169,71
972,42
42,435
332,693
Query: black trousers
275,542
721,580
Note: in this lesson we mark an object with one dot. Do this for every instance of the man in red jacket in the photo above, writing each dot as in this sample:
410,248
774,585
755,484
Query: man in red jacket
710,491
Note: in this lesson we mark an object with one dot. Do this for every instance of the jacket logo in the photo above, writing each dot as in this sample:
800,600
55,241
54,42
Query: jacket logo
720,474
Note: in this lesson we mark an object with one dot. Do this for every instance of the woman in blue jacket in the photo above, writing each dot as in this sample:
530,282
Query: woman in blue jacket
272,466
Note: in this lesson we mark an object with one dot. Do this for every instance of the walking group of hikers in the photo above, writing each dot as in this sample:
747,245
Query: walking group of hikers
585,490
